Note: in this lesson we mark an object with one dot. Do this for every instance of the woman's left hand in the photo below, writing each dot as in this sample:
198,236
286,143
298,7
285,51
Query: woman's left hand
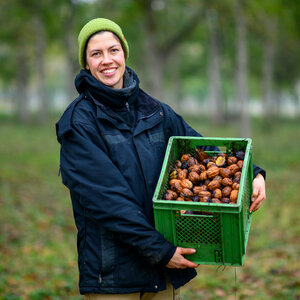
259,193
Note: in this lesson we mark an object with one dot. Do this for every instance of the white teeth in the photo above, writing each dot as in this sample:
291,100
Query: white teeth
108,71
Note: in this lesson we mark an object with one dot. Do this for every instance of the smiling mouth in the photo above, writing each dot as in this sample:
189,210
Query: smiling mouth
109,71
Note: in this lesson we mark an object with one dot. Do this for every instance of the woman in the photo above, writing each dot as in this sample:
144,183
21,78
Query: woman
113,139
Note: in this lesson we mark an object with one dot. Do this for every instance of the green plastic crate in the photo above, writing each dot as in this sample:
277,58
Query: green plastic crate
219,232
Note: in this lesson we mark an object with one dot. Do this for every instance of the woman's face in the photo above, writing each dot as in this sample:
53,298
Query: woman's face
105,59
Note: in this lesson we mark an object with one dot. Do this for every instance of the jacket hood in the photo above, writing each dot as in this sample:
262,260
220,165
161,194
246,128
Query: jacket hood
87,84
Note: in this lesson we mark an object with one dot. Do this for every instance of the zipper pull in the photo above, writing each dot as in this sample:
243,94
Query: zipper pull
127,106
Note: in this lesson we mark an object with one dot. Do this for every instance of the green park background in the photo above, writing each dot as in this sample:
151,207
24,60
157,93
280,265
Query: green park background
231,68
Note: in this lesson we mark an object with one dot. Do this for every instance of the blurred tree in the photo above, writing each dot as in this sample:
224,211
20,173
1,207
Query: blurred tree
242,67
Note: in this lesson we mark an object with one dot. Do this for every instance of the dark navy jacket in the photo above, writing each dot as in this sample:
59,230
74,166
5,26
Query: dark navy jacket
111,169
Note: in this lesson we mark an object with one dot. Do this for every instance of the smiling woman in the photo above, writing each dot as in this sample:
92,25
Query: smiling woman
113,139
105,59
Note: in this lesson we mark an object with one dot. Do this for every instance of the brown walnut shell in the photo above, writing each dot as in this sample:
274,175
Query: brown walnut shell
170,195
204,194
191,161
197,189
212,172
195,168
227,181
224,172
235,186
240,164
203,176
185,157
238,174
176,187
186,183
233,168
231,160
201,155
186,194
194,177
211,164
226,191
225,200
217,193
179,199
218,178
172,181
182,174
215,200
233,195
214,184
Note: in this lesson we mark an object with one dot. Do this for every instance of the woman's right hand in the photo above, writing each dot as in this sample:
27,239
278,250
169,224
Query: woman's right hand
179,262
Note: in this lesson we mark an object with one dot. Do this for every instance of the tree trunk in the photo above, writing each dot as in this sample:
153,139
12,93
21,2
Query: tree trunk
242,68
40,68
22,81
268,70
214,68
71,52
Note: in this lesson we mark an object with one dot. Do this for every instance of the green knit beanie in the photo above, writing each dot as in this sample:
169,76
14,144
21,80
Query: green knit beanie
94,26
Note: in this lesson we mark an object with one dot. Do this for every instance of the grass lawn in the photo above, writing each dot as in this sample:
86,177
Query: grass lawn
38,236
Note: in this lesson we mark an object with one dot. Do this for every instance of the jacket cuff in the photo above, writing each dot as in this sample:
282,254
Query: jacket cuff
164,261
257,170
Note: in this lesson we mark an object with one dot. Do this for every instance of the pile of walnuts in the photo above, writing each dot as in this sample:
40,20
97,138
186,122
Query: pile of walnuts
205,178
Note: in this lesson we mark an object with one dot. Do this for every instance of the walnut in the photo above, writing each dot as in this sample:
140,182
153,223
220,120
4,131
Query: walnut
202,167
191,161
233,168
203,176
215,200
181,174
238,174
211,164
179,199
186,194
231,160
204,194
194,177
225,200
237,179
225,172
227,181
226,191
176,186
235,186
198,189
195,168
212,172
185,157
185,183
233,195
240,164
218,178
217,193
214,184
170,195
177,164
201,155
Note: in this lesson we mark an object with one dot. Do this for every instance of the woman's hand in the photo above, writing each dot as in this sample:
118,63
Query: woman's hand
259,193
179,262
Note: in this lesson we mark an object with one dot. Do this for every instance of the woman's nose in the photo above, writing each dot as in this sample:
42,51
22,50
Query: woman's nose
106,58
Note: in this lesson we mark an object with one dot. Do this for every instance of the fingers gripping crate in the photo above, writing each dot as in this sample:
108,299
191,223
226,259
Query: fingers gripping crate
219,232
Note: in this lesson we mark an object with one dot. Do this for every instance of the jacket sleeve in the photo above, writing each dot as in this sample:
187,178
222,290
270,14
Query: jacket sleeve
181,128
104,193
